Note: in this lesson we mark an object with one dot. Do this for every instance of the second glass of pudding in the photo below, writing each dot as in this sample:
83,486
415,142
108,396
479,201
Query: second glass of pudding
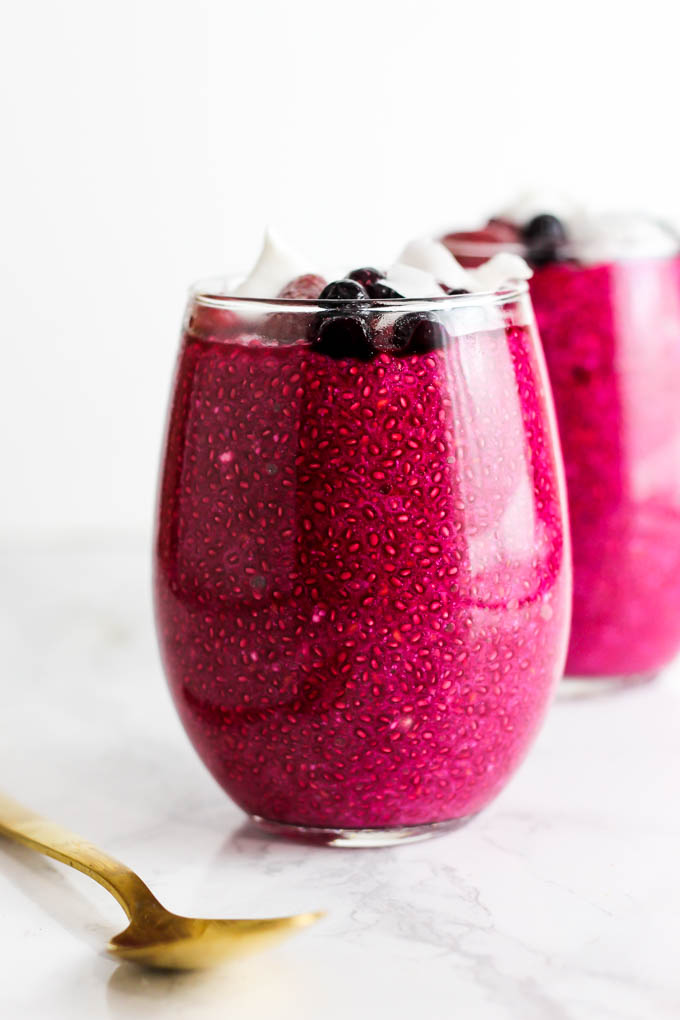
362,566
606,291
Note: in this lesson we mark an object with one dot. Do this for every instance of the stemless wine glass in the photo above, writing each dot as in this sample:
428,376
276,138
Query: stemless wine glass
611,335
362,572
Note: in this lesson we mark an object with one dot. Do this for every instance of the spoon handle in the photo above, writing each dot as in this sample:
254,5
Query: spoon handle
23,826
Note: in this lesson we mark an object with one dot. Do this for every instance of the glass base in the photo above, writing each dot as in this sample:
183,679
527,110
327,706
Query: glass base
360,838
577,688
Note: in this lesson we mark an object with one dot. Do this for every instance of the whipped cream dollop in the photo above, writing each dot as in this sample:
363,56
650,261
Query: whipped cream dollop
412,281
500,270
532,203
276,266
435,259
595,237
608,236
425,268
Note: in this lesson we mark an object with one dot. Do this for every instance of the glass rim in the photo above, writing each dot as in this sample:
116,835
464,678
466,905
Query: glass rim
205,296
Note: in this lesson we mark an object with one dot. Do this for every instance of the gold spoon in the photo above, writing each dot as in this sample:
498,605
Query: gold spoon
154,937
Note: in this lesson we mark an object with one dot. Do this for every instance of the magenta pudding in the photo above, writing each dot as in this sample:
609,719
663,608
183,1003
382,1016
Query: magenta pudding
362,576
607,299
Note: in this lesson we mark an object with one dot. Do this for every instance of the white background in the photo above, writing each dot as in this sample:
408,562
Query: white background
148,143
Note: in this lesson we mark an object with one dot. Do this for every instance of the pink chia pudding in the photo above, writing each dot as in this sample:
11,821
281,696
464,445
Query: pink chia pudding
362,576
607,297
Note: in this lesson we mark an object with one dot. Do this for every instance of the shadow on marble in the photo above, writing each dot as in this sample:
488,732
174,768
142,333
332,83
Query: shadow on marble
265,985
586,689
42,882
129,986
250,837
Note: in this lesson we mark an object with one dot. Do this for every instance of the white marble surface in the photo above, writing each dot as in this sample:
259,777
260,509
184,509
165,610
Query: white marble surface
560,902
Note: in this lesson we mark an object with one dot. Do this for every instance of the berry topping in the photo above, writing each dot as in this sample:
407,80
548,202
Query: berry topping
366,276
383,292
502,231
418,333
340,333
213,322
495,232
342,336
472,247
303,288
544,235
346,290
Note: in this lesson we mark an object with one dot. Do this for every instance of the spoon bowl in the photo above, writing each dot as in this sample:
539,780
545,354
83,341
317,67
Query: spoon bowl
172,942
155,937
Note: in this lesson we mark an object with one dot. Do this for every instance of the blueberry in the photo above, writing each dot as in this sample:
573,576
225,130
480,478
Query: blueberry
343,332
452,291
382,291
418,333
366,276
372,280
342,336
345,290
544,236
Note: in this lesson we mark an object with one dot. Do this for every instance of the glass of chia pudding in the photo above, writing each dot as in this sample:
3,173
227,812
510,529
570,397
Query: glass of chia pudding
362,565
606,290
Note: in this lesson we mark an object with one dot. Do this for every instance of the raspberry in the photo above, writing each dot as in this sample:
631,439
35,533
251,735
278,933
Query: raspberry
216,323
303,288
502,232
496,233
287,327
